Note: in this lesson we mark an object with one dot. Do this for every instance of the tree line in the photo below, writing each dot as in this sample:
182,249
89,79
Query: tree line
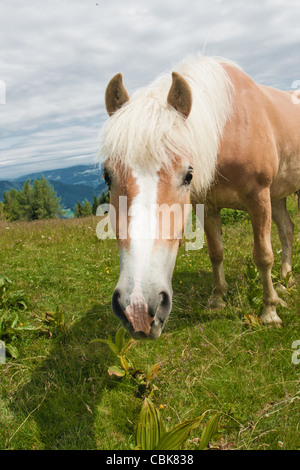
35,201
85,208
38,200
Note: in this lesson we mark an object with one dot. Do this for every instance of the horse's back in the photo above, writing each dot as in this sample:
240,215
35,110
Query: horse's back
284,114
260,145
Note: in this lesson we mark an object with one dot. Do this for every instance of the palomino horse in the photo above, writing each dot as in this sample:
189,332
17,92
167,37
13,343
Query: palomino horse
209,134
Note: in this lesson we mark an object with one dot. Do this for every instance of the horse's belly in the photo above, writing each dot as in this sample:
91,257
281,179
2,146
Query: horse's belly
221,197
287,180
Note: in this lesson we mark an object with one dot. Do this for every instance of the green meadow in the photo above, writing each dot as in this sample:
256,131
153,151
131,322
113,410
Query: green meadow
55,391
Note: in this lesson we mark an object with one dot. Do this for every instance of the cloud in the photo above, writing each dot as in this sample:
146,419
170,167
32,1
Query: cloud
59,56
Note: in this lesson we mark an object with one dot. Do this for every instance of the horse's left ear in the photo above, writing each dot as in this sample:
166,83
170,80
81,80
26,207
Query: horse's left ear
115,95
180,95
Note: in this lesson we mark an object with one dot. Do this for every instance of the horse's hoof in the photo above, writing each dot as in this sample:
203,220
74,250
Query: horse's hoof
216,302
270,317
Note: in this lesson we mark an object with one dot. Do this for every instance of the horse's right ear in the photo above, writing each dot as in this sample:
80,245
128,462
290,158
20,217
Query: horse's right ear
180,95
115,95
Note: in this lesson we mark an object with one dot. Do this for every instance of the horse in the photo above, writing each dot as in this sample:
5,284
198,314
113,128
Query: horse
204,134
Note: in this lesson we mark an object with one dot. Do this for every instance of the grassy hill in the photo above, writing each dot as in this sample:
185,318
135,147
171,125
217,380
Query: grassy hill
57,393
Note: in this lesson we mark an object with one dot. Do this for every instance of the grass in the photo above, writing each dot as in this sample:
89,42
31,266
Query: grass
57,393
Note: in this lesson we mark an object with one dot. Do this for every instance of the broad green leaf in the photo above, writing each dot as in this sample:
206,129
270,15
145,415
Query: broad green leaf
124,363
209,431
149,427
127,346
176,437
119,338
115,370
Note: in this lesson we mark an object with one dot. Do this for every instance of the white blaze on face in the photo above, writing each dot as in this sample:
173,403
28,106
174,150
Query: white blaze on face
142,229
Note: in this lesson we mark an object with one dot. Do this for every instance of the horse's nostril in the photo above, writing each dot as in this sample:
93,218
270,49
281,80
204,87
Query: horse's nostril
165,300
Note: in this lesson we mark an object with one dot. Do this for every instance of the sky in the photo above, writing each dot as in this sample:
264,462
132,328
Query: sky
56,58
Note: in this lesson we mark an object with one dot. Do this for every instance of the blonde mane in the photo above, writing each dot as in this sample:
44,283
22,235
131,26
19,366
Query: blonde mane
147,131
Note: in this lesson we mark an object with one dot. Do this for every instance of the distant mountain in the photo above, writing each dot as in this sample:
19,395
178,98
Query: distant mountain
88,175
72,184
70,194
7,185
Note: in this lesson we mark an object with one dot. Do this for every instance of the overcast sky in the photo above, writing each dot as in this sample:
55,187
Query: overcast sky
57,56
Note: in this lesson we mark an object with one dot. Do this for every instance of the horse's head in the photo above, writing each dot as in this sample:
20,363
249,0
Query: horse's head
151,199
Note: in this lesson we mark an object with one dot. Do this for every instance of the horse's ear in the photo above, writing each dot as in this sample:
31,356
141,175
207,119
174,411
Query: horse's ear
180,95
115,95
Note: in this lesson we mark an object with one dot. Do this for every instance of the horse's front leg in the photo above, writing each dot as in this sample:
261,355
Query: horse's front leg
213,232
259,208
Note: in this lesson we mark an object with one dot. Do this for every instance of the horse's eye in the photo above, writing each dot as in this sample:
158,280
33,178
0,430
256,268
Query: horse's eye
188,178
107,179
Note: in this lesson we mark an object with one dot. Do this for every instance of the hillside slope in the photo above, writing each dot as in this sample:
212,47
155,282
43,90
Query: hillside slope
58,395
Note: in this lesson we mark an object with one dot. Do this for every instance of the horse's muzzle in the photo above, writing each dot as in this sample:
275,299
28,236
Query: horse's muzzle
143,319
